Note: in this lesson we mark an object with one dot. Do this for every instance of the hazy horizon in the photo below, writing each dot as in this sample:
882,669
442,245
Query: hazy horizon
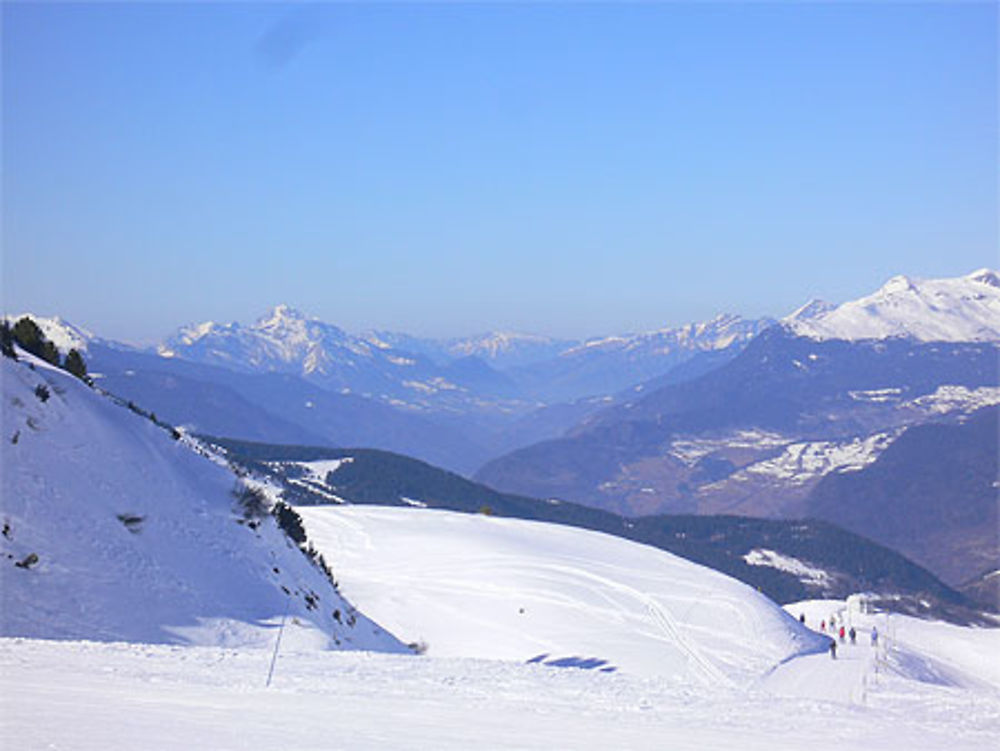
449,169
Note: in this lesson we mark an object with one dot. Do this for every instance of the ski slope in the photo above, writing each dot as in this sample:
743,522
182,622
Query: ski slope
136,536
479,586
929,652
87,695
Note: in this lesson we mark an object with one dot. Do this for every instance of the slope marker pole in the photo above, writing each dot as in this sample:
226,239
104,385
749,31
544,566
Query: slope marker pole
277,642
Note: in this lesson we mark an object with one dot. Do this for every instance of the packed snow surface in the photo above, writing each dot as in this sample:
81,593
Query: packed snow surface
962,309
930,688
478,586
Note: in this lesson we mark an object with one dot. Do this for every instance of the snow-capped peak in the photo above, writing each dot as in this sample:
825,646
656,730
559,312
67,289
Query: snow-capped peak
716,333
494,343
282,340
812,309
281,315
956,309
985,276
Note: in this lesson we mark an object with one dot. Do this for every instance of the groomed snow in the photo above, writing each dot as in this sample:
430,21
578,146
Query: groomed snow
85,695
479,586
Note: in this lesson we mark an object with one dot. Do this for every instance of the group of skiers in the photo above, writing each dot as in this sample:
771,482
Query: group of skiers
842,633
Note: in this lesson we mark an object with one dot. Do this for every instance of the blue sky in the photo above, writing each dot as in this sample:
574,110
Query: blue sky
442,169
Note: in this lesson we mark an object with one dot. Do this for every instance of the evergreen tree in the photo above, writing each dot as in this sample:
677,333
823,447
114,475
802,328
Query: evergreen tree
7,340
75,365
49,353
30,337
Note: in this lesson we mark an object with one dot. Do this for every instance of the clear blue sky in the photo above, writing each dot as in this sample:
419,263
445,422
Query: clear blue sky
443,169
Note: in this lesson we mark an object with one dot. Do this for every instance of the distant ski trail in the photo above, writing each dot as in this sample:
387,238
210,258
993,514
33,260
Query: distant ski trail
659,616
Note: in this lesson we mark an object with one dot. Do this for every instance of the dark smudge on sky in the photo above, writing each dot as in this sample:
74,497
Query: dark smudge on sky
290,34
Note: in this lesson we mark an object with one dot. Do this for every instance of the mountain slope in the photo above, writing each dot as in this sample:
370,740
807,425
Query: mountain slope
780,391
114,530
962,309
933,495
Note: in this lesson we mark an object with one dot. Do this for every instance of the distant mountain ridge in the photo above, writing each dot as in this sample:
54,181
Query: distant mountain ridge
933,494
611,364
465,401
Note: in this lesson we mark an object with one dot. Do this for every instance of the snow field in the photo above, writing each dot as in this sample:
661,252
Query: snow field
478,586
84,695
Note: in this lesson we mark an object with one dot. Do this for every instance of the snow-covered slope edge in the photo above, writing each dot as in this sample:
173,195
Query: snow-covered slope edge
487,587
113,531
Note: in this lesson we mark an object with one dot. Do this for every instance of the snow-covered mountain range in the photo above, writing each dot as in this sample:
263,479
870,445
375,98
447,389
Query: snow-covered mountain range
644,423
409,370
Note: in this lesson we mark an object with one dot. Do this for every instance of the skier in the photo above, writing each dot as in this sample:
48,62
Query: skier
854,635
802,618
822,626
874,636
841,634
833,649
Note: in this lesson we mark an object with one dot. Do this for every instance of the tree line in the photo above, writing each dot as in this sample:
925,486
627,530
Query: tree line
26,334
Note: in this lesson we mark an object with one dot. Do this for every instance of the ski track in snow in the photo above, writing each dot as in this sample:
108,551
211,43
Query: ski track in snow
477,586
82,695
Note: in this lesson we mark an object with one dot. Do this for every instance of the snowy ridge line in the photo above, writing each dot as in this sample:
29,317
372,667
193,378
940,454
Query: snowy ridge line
961,309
